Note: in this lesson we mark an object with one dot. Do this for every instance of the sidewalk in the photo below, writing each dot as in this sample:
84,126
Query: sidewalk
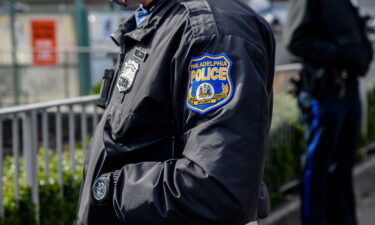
365,192
366,210
365,189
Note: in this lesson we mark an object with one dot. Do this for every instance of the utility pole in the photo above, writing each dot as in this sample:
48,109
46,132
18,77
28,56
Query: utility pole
82,34
16,80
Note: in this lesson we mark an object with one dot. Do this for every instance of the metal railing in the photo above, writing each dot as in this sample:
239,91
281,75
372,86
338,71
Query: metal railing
33,120
59,80
30,130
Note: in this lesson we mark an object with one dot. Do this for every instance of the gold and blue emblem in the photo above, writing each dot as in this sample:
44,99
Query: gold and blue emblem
210,83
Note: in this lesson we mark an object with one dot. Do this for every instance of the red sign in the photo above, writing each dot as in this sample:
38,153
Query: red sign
43,40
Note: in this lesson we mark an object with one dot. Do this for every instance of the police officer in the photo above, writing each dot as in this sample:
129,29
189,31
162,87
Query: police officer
188,108
330,37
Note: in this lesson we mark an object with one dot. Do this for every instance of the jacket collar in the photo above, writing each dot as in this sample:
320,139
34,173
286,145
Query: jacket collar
130,29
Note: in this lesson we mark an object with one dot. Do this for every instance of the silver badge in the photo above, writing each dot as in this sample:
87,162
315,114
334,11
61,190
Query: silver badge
127,76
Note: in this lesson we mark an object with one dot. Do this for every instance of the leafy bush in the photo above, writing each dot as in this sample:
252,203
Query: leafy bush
54,208
286,145
370,136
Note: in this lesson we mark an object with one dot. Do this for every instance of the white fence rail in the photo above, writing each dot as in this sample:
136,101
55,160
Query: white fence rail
28,118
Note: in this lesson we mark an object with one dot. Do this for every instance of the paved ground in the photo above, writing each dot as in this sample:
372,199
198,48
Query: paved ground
366,211
365,189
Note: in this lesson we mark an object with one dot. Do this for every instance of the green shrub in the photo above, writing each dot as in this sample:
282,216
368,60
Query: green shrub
284,159
370,136
54,208
286,145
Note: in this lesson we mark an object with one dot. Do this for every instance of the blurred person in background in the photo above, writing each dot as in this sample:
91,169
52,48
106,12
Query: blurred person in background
330,37
187,114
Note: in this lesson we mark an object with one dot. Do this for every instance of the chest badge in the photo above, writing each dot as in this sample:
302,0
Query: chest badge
127,76
210,85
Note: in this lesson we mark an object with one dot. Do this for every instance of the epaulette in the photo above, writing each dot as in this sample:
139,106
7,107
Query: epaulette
202,20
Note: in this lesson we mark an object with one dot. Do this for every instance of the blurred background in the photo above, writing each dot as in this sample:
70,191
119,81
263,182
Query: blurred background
52,57
53,49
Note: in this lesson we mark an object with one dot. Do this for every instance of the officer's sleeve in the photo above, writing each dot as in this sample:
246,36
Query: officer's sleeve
217,179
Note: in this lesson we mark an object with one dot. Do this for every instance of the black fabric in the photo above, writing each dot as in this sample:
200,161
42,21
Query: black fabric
333,133
177,166
264,204
332,34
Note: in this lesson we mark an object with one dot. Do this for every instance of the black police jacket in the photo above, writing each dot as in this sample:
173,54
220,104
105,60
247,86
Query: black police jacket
188,119
329,33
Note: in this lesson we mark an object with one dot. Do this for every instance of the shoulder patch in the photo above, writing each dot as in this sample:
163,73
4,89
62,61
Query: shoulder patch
210,83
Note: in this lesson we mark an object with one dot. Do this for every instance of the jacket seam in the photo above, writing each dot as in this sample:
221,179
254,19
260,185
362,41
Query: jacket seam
253,45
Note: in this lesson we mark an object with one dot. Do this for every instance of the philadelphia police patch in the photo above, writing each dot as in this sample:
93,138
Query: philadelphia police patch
210,84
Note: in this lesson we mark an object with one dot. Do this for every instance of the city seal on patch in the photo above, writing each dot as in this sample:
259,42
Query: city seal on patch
127,76
210,83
